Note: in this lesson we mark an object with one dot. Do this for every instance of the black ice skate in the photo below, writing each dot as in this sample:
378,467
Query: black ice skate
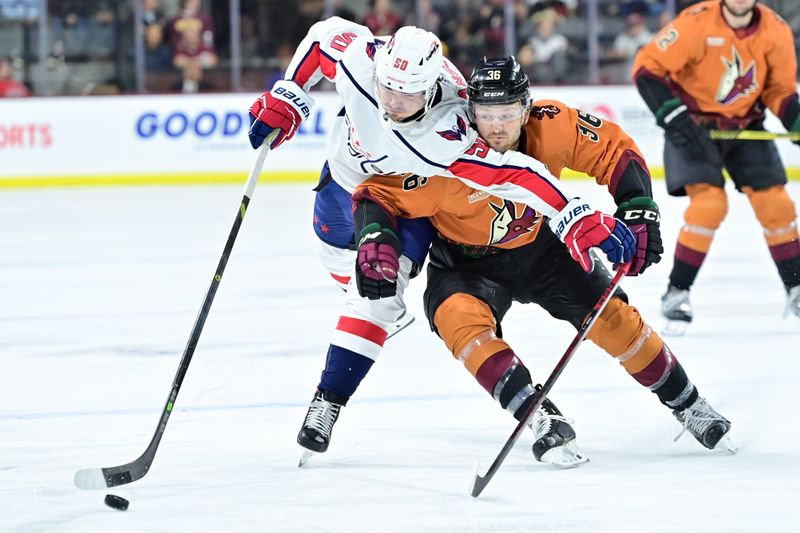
706,425
677,309
555,438
315,435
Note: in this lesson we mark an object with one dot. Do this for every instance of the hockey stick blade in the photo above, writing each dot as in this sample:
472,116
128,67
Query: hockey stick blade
97,478
101,478
752,135
480,481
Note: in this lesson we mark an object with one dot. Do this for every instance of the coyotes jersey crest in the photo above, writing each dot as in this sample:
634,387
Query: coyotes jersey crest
507,226
737,80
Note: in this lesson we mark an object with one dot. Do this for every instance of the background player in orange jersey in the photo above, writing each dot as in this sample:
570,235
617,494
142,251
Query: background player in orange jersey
715,67
490,252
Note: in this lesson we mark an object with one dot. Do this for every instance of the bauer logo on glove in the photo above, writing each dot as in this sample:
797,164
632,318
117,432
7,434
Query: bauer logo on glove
567,217
580,228
283,108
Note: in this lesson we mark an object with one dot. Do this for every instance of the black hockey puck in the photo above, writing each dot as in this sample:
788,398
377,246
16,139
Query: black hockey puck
117,502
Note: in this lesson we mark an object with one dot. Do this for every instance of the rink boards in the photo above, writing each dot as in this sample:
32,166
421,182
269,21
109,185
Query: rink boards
203,138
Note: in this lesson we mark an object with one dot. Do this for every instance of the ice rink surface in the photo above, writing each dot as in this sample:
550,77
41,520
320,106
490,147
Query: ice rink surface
99,291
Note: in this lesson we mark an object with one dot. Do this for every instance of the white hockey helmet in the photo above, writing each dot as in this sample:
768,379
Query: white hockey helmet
410,62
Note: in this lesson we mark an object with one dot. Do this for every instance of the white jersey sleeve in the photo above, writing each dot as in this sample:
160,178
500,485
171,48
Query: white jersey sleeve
512,176
317,54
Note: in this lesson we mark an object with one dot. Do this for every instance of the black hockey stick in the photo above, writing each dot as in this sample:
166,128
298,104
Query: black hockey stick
480,482
98,478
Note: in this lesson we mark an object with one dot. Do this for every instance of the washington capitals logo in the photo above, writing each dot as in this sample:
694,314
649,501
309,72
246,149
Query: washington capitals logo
457,132
506,226
736,80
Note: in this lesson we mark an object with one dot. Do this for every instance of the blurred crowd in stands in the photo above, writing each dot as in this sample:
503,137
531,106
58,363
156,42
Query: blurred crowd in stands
187,43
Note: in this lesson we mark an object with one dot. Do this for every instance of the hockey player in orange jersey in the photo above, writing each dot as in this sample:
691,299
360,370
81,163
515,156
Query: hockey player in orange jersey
490,252
717,66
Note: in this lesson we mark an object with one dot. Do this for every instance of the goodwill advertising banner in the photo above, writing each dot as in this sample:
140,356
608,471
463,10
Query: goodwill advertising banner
130,139
203,138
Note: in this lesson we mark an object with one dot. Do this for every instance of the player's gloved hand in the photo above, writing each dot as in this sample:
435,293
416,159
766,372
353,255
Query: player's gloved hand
284,108
642,217
679,126
791,118
796,129
580,228
378,262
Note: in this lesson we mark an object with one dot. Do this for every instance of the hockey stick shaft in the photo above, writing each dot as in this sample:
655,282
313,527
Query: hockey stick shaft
480,482
96,478
752,135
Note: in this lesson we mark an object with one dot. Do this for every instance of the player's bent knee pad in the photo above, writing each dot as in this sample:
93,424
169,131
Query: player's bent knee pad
708,206
773,207
622,333
467,326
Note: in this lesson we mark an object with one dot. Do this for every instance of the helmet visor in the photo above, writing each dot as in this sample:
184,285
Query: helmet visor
487,114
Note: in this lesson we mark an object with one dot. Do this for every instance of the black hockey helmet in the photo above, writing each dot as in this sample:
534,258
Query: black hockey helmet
499,80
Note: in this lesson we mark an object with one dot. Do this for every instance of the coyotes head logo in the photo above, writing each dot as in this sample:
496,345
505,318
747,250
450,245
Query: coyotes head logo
736,80
506,226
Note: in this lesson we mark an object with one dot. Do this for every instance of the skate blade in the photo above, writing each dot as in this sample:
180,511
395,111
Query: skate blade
726,444
402,323
565,457
304,458
675,328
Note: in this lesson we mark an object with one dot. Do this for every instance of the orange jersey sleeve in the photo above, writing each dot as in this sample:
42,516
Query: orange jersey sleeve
564,137
404,196
719,71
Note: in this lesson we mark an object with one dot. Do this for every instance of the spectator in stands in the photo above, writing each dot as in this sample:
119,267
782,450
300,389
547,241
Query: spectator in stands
382,19
192,38
454,12
465,48
157,53
191,19
192,57
544,57
431,17
71,28
102,28
491,21
628,43
9,87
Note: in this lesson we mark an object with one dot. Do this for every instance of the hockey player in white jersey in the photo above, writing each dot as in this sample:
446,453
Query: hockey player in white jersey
403,112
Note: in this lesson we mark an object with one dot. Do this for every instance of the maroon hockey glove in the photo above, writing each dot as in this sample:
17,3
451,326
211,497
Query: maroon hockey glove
284,108
378,262
580,228
642,217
